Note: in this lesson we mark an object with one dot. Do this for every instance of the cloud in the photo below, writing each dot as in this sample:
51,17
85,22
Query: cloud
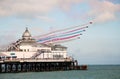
107,16
67,4
103,11
33,8
26,7
114,1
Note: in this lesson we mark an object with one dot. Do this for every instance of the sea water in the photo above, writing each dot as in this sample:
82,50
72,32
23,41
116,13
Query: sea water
93,72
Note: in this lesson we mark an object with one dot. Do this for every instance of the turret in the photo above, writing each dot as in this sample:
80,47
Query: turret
26,35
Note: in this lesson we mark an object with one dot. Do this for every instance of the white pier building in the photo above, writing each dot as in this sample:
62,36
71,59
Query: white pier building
28,48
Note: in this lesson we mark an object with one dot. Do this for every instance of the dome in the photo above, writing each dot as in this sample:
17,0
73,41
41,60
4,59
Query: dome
26,34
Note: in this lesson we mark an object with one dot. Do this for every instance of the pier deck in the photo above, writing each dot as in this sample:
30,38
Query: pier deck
35,65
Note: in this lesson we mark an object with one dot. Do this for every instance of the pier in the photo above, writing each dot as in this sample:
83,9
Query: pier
38,65
29,55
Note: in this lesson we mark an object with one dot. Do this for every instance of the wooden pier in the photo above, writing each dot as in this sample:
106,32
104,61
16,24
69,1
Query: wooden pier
38,65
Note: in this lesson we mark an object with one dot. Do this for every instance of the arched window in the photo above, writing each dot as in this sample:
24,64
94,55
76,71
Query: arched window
24,50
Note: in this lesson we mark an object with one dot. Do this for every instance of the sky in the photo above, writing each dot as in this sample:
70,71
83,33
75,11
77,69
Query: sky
100,44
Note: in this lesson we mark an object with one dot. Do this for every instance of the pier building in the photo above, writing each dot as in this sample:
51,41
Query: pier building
26,54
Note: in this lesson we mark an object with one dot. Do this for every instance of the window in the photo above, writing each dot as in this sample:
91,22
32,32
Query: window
21,50
24,50
57,56
12,53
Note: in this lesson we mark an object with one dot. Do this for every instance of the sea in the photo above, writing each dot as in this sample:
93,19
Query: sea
93,72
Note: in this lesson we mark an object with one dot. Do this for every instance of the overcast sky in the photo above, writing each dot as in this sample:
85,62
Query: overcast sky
100,44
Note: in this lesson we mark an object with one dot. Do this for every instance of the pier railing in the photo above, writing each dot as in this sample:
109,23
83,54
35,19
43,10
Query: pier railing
36,60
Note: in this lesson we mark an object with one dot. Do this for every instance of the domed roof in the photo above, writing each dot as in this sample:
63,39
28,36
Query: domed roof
26,33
